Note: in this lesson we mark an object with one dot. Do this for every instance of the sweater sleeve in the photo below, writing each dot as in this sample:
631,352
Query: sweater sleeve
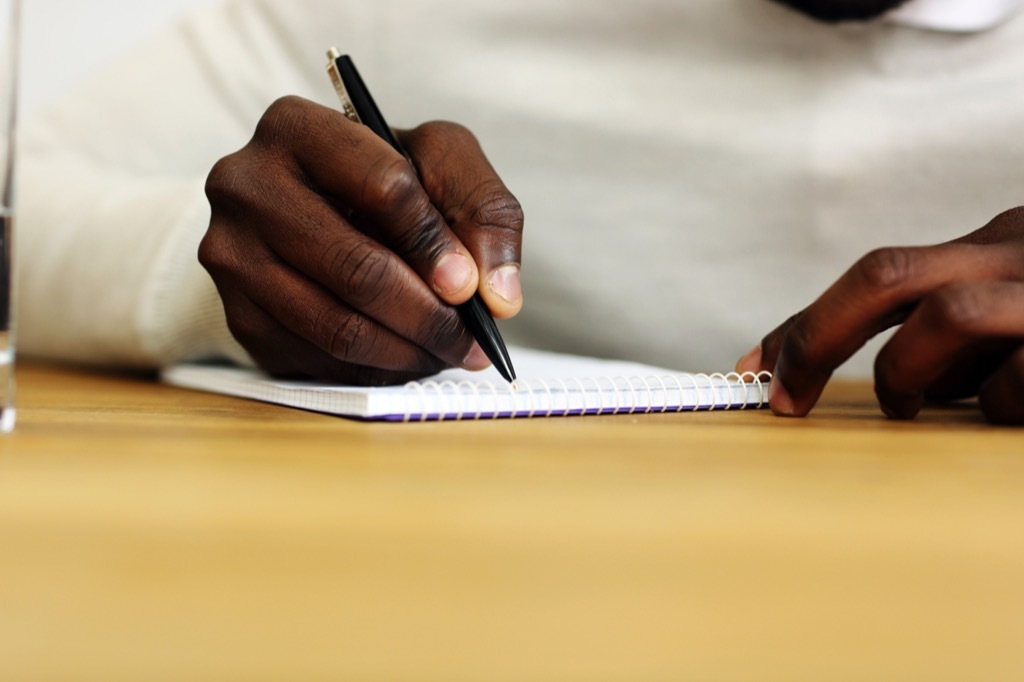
110,204
108,272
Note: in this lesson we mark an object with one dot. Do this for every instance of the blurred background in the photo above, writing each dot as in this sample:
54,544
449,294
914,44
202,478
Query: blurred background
63,40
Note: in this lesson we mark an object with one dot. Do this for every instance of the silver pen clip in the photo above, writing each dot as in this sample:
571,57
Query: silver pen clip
339,86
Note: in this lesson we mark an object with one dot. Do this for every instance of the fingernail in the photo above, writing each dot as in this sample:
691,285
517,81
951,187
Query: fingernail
505,283
476,359
780,400
751,362
452,273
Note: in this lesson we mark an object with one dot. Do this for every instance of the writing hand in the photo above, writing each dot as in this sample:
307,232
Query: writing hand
337,259
960,311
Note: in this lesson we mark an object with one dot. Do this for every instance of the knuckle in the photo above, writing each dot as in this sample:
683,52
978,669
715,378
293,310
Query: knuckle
1013,217
956,308
218,180
226,182
449,128
1005,231
349,337
282,105
244,181
393,186
422,237
497,209
442,134
417,229
209,254
215,253
285,117
799,347
887,268
363,274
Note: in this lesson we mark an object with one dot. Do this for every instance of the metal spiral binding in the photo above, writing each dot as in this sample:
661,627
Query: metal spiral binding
614,395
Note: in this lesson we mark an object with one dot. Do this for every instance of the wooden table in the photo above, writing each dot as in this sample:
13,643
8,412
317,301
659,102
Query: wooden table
151,533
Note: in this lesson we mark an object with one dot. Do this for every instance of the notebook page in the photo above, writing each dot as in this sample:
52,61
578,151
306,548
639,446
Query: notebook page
549,384
534,365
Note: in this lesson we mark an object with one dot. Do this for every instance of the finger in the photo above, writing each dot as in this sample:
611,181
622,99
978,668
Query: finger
477,206
1008,226
762,357
939,334
877,292
311,237
1001,396
972,368
279,352
312,313
348,162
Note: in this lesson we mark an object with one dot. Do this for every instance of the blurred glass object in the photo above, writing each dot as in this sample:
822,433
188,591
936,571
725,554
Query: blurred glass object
9,52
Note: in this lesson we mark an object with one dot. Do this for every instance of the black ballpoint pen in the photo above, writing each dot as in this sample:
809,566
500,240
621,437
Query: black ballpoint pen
358,106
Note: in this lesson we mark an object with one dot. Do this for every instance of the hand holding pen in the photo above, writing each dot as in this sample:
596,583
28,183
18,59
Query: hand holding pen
336,258
358,106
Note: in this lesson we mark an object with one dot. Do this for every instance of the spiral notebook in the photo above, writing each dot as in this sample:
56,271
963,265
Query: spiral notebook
550,384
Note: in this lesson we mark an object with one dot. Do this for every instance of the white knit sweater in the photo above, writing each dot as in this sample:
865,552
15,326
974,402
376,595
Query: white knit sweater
692,172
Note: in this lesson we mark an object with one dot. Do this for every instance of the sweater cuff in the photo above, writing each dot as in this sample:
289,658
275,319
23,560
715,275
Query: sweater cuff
181,316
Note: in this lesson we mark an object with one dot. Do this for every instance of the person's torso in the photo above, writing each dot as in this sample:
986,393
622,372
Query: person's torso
691,172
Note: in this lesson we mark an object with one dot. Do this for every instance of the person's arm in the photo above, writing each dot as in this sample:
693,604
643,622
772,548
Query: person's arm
110,210
960,311
107,268
112,214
